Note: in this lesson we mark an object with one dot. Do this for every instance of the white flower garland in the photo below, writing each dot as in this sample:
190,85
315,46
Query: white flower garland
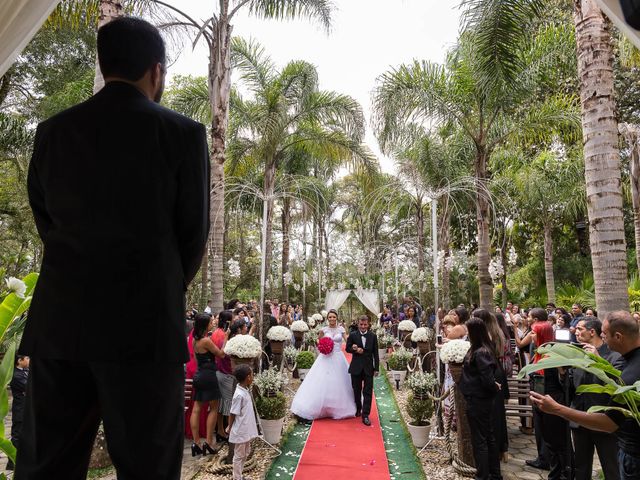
243,346
279,333
407,326
454,351
421,334
299,326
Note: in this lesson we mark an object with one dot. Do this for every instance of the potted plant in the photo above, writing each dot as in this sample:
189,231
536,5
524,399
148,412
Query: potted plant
405,328
243,349
290,354
299,327
420,406
277,335
385,341
311,338
398,362
271,403
422,336
304,361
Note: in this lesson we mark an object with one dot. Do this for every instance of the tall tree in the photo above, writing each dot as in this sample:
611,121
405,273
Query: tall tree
216,31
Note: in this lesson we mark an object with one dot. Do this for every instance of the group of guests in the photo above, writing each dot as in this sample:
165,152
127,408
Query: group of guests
565,440
409,309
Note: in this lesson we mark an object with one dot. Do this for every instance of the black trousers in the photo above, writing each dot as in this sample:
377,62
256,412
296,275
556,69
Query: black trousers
585,441
140,404
362,391
554,431
480,413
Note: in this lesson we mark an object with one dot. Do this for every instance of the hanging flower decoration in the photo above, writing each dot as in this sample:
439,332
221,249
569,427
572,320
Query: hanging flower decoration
496,270
513,256
234,268
325,345
287,278
296,287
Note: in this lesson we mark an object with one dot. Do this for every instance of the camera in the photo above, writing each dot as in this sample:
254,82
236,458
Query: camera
563,335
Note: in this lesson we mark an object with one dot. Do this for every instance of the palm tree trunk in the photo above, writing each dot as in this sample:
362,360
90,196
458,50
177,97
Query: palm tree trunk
109,10
631,134
286,222
445,240
503,259
548,263
219,83
482,221
269,187
420,228
602,157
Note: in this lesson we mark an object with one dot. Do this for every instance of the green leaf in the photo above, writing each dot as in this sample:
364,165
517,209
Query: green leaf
7,447
606,408
593,388
6,373
14,306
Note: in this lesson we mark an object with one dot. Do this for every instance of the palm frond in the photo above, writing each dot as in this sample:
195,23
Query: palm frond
319,10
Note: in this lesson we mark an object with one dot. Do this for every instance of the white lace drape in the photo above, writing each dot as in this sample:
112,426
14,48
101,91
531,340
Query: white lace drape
335,299
370,299
19,22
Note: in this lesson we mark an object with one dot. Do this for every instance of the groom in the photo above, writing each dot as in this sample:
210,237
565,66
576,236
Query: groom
363,344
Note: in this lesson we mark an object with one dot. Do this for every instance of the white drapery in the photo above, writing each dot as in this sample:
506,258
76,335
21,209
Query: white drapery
20,20
370,299
335,299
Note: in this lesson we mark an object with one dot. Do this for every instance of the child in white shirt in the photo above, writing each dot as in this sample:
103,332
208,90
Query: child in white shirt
242,421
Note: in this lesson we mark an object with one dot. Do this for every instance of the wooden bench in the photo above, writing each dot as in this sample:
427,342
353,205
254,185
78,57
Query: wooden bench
188,392
518,389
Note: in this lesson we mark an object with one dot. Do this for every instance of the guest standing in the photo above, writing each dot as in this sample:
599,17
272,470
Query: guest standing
479,387
242,421
223,372
18,387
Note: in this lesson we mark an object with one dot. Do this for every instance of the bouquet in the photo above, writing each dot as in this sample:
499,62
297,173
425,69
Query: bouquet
454,351
325,345
290,353
406,326
421,334
299,326
243,346
279,333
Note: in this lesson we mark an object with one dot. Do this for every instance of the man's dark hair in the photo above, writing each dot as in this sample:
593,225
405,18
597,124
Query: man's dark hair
224,318
551,304
128,47
18,358
539,314
592,323
579,305
622,321
232,303
238,311
241,372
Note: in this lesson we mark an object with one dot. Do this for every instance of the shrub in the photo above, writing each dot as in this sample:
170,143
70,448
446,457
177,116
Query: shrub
419,409
305,360
400,359
272,408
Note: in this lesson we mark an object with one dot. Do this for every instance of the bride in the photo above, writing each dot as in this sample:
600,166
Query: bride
326,390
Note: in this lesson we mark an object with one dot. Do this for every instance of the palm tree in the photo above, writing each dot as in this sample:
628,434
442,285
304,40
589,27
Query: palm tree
216,31
488,111
497,27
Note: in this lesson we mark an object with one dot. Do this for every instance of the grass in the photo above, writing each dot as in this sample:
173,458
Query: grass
95,473
292,443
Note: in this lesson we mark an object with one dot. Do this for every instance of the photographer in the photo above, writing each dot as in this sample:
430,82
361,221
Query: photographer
621,333
585,441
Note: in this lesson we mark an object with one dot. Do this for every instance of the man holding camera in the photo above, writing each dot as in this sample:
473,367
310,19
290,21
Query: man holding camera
585,441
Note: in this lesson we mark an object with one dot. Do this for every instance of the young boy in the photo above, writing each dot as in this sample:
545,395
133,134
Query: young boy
242,421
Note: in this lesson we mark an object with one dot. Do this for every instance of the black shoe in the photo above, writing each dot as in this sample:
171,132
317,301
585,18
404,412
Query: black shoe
366,421
206,448
358,413
221,438
537,464
195,450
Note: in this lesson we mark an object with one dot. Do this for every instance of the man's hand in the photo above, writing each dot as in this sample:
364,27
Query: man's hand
354,347
360,351
545,403
228,429
587,347
572,329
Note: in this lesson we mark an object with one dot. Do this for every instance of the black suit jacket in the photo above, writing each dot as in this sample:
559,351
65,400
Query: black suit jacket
119,188
18,387
368,361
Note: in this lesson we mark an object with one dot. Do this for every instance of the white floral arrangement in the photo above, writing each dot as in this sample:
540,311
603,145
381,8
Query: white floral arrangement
420,382
422,334
317,317
270,380
311,337
311,322
290,353
243,346
454,351
406,326
16,286
299,326
324,313
279,333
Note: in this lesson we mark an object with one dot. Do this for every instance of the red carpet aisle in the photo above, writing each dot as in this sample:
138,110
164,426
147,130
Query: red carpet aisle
344,449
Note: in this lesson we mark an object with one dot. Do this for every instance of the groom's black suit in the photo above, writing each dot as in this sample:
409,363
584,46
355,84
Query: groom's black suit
119,188
363,365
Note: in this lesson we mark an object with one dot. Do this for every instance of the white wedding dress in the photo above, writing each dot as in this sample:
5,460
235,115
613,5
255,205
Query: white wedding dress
326,390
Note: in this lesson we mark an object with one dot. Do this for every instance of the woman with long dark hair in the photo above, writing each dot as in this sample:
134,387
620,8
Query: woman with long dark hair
224,373
205,384
480,389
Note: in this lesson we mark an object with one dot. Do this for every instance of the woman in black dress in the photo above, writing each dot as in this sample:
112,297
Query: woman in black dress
205,384
480,389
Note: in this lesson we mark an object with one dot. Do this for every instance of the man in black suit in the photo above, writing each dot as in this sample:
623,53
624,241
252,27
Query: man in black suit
18,387
119,188
363,344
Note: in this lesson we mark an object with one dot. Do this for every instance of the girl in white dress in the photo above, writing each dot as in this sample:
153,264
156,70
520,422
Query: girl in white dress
326,390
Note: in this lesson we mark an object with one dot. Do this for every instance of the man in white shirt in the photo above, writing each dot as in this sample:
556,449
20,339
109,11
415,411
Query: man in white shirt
207,309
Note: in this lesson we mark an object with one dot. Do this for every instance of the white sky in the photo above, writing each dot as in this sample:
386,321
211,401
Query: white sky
367,38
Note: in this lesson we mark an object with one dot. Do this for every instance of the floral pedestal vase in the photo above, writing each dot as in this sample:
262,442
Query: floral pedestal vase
299,338
463,433
235,361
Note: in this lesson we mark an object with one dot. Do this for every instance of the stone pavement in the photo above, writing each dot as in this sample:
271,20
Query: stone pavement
523,447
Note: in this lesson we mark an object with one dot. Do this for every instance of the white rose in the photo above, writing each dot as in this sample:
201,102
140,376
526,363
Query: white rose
279,333
16,286
407,326
420,335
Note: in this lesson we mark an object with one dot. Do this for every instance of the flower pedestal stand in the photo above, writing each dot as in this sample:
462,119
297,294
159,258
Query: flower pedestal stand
299,338
405,338
463,433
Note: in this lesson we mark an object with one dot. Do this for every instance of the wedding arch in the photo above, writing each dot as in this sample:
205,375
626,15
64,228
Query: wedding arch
369,297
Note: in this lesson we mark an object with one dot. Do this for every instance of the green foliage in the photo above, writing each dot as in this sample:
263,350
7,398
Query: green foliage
564,355
271,408
400,358
305,359
420,409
